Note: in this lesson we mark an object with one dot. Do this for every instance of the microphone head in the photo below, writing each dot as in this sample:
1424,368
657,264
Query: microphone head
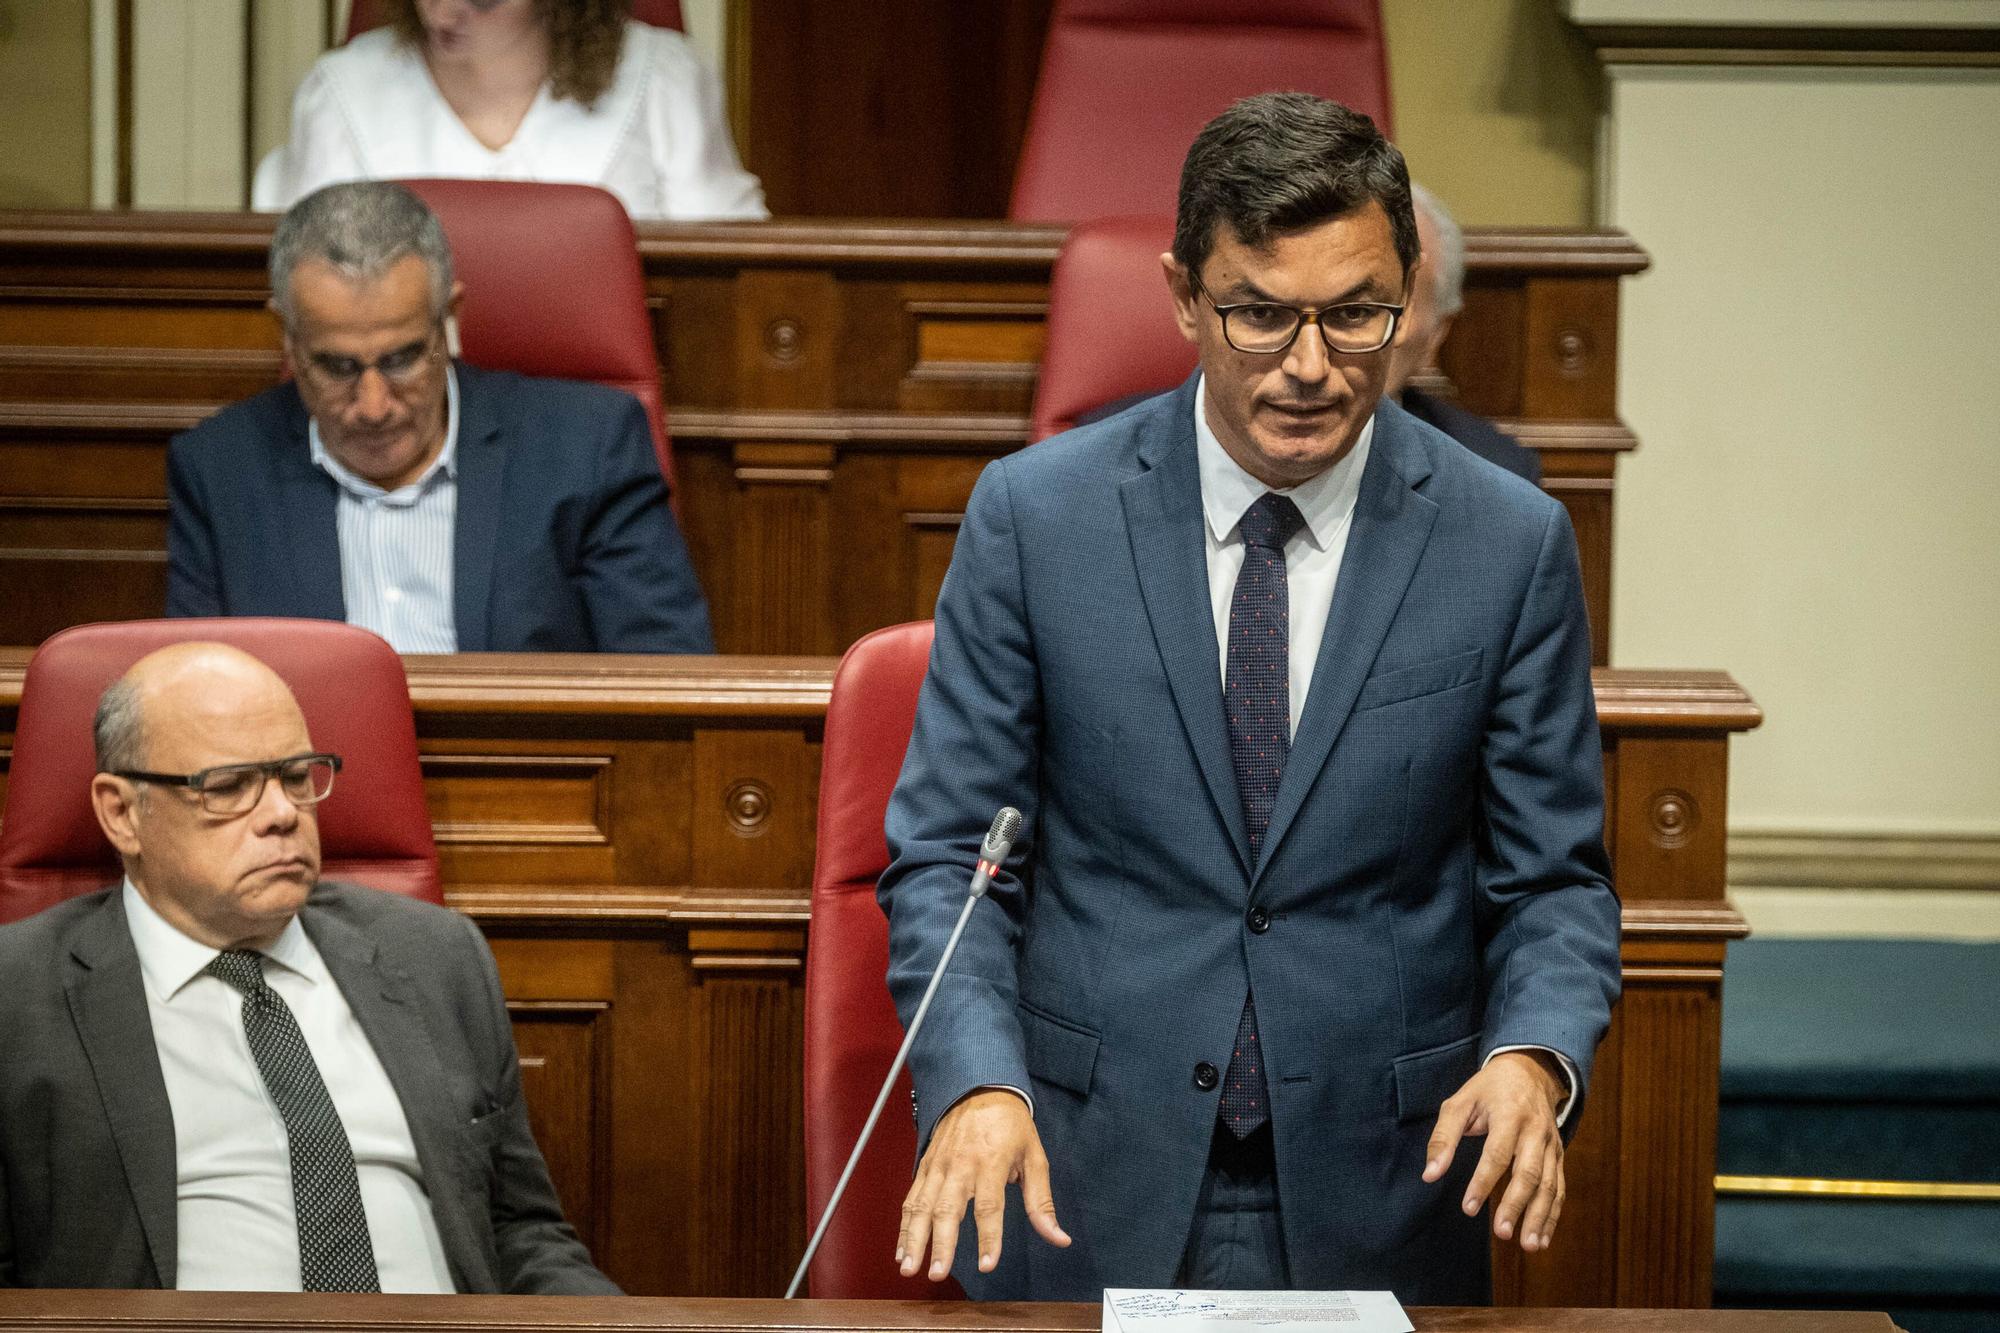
1000,837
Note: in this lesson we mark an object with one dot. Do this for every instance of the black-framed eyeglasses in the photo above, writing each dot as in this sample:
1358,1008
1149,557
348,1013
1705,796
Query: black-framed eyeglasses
402,366
235,789
1265,328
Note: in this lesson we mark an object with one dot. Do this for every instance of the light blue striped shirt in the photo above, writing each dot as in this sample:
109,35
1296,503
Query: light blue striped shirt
396,546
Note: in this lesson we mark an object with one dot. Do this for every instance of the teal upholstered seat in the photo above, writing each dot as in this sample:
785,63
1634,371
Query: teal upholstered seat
1862,1060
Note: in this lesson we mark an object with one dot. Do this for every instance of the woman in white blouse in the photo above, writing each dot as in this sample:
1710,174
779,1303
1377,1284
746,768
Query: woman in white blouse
547,90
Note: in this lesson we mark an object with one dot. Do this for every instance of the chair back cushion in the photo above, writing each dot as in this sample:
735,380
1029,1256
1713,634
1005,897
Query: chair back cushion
1111,330
375,829
1127,84
851,1028
552,286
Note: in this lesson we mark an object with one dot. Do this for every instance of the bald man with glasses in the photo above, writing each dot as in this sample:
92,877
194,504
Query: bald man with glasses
446,508
225,1073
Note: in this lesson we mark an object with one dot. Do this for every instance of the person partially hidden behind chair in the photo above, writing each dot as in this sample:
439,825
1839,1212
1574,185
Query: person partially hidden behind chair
1437,294
446,508
227,1073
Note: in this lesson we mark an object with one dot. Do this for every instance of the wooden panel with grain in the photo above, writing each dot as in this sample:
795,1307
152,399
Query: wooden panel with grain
833,389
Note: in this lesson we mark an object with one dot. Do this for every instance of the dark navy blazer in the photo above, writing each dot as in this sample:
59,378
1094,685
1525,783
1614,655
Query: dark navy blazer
564,542
1433,878
1475,433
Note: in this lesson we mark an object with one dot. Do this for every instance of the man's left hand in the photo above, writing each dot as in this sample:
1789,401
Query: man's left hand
1513,1102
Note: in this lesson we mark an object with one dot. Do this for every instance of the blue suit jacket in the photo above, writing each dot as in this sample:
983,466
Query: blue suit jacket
1433,873
564,542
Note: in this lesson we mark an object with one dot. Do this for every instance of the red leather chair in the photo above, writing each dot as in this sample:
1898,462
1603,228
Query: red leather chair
552,287
367,14
851,1029
374,829
1127,84
1111,330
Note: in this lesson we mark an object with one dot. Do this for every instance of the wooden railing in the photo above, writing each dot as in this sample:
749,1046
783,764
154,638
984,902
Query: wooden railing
635,835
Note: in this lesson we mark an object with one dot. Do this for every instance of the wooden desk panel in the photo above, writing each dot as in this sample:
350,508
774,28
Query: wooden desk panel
174,1311
833,390
635,837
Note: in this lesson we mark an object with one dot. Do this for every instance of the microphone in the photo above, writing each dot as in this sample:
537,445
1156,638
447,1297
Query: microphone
1000,836
999,841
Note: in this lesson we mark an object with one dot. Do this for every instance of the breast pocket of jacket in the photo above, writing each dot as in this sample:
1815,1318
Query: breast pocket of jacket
1422,680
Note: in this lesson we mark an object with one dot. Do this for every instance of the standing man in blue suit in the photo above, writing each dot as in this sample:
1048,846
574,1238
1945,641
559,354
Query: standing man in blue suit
446,508
1294,693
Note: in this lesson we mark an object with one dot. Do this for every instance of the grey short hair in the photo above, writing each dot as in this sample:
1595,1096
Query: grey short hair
362,228
1448,288
118,728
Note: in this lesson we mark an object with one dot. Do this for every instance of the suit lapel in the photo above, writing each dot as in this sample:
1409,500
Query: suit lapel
1392,525
386,1005
482,464
307,498
1163,516
107,1002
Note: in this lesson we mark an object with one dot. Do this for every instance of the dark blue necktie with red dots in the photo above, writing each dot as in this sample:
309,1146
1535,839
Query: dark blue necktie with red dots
1256,695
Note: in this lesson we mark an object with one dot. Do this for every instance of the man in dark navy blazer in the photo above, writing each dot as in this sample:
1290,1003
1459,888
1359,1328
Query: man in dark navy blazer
1294,694
447,508
1436,296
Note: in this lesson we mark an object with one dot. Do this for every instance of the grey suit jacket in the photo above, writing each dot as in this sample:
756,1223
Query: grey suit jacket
1432,884
87,1170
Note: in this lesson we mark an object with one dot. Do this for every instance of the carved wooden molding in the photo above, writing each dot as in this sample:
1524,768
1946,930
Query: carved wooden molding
1834,859
112,240
616,683
1764,32
1571,436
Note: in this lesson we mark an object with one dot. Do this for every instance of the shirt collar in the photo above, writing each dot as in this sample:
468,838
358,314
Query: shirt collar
169,959
446,461
1227,490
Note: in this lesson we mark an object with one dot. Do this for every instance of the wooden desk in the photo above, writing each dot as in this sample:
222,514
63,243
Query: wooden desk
635,835
164,1311
833,390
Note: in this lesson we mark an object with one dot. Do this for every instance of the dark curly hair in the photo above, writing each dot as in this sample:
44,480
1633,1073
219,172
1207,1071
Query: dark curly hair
585,37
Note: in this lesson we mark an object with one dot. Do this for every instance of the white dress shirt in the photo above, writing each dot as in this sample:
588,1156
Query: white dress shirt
1312,570
657,137
396,546
1312,558
233,1215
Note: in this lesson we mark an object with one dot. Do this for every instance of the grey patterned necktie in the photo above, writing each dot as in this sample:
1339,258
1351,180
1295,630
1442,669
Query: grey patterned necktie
334,1250
1257,695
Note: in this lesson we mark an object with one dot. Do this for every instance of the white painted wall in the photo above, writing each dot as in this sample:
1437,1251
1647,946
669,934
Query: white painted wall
1813,369
188,99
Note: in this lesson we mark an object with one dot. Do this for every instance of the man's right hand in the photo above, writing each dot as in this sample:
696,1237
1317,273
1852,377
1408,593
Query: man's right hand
980,1146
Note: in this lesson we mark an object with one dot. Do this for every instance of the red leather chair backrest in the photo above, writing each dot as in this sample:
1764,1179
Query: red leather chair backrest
366,14
1111,330
374,829
851,1030
552,286
1127,84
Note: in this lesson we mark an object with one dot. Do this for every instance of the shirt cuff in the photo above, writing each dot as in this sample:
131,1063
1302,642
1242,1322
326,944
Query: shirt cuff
1009,1087
1569,1072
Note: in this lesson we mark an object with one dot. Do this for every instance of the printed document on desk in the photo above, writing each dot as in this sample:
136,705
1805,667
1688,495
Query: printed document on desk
1129,1310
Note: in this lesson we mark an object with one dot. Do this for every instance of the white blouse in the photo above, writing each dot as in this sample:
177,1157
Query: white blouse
656,138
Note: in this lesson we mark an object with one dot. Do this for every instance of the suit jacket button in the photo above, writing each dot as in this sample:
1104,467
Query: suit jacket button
1205,1076
1260,921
